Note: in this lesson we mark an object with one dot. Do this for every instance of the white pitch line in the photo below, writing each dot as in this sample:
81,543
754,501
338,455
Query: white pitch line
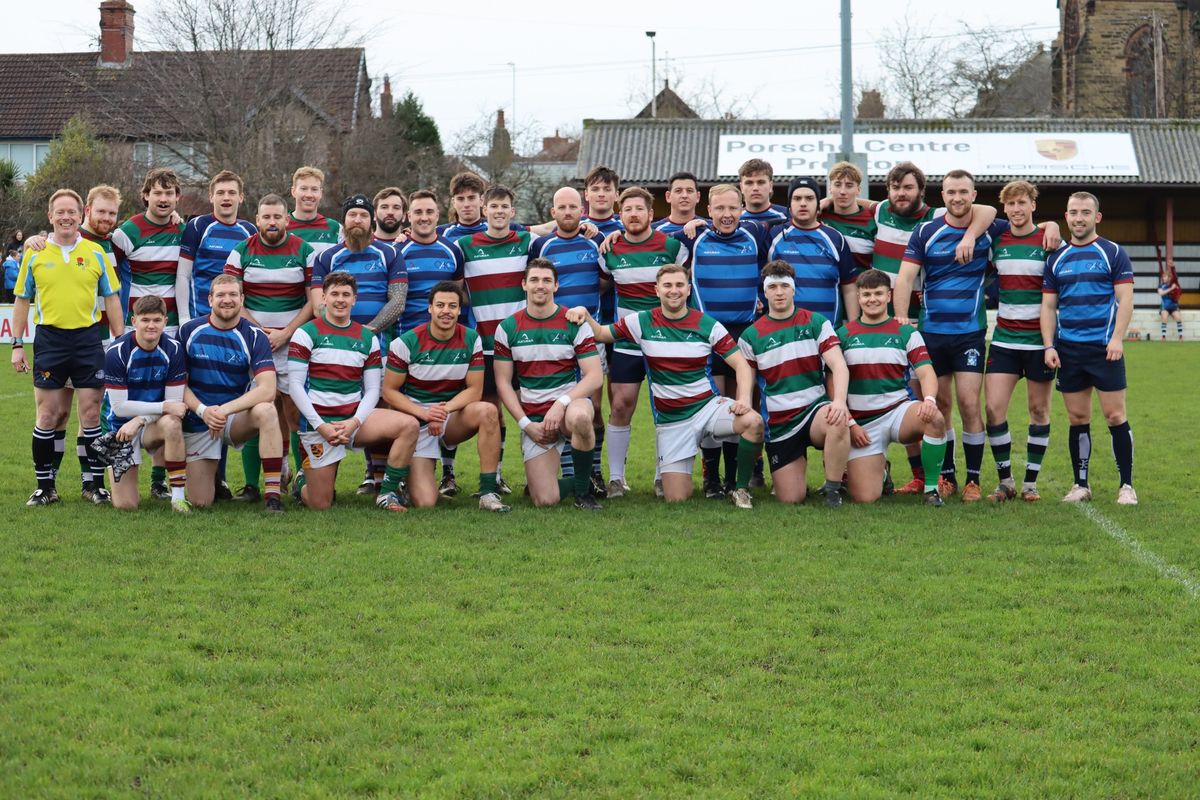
1140,552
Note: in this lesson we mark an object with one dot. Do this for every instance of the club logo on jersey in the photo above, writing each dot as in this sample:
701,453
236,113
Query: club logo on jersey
79,263
972,357
1057,149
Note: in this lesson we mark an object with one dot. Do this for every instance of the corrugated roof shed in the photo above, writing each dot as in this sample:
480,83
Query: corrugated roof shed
647,151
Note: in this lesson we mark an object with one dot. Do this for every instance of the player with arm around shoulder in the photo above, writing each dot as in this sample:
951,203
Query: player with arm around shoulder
677,342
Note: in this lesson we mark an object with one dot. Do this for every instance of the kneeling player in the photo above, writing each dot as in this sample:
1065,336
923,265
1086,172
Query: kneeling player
230,393
435,374
334,379
787,347
878,351
548,352
144,378
676,342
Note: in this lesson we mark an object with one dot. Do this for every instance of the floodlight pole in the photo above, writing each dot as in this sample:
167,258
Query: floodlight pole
653,75
847,150
513,66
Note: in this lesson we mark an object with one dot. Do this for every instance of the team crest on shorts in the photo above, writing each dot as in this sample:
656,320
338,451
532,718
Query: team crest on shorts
972,357
317,450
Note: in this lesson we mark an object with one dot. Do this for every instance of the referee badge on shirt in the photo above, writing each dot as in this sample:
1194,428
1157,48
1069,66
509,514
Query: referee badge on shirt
79,262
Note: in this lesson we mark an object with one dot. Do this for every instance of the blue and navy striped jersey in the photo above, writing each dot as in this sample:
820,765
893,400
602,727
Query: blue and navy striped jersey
725,271
426,265
1084,276
208,242
222,364
952,301
668,227
143,374
375,267
770,215
578,261
453,231
823,264
608,300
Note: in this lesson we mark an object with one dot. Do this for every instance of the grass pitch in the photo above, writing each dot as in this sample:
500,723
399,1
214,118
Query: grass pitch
1014,651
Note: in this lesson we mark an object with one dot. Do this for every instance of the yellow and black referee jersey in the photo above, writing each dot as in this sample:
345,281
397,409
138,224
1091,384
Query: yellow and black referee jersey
62,283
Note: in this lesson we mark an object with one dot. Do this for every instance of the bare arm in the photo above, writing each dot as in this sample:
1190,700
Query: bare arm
601,333
850,299
20,319
902,292
116,320
393,384
1048,321
1116,345
504,388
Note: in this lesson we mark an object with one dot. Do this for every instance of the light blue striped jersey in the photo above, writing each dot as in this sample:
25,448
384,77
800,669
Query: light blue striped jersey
952,301
577,260
823,262
725,271
222,364
208,242
426,265
375,267
1084,276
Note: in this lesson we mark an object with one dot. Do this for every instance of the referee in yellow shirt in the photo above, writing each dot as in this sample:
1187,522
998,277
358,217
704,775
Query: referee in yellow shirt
62,282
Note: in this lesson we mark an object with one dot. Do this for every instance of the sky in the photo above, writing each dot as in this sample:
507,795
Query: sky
777,60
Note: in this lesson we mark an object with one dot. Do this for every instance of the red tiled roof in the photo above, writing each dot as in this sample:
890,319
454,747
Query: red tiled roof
154,94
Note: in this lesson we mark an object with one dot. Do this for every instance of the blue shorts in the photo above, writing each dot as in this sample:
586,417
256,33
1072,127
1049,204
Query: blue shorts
956,352
1086,366
74,354
718,365
626,368
1028,364
1169,305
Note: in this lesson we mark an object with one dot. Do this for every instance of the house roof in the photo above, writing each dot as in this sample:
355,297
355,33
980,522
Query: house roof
154,92
648,151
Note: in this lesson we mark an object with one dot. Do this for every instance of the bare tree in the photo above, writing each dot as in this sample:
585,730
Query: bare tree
704,95
976,72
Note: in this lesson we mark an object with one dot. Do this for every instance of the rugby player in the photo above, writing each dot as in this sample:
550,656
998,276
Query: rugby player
953,319
435,374
581,281
554,405
144,379
334,380
677,342
1016,349
632,262
1087,302
790,348
230,393
275,268
879,352
207,242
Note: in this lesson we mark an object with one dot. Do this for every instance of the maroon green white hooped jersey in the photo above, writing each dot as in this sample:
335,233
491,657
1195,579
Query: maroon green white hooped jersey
493,269
786,355
891,237
1021,263
337,358
546,353
879,357
676,353
634,268
435,369
274,278
152,251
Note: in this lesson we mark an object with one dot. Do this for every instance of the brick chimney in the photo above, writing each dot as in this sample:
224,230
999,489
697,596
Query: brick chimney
116,33
499,118
385,99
